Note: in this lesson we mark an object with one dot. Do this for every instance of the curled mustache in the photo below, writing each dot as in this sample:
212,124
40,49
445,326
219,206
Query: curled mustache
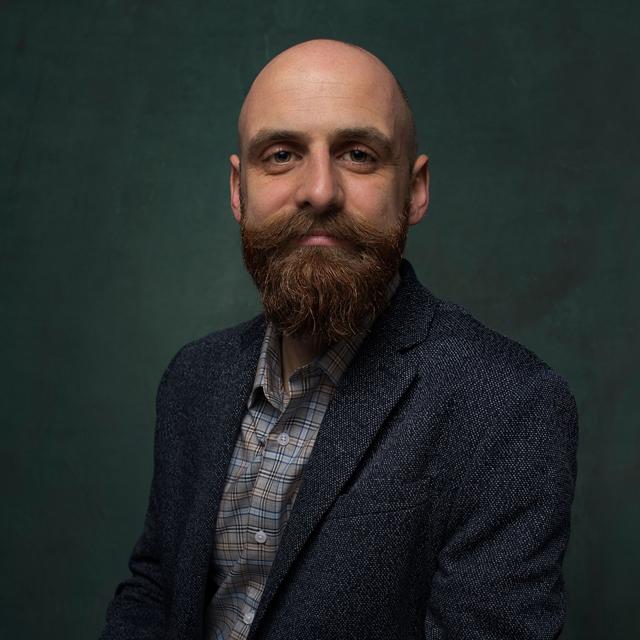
283,231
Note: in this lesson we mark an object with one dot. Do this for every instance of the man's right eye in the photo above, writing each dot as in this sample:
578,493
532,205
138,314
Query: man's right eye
280,157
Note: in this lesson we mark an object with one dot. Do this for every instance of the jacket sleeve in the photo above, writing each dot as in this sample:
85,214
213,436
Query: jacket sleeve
499,569
138,608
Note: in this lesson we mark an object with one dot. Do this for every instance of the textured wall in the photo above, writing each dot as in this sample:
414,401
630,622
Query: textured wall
117,246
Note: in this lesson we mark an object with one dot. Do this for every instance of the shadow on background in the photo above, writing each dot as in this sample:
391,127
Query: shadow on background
118,246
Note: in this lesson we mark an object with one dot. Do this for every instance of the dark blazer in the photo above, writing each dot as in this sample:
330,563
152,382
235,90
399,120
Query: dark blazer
435,504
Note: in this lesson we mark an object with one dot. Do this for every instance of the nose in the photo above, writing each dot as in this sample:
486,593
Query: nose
320,186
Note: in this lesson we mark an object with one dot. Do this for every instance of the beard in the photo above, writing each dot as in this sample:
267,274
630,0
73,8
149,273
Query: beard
322,293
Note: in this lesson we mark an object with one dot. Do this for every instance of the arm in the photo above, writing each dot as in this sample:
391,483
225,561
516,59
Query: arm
499,571
138,608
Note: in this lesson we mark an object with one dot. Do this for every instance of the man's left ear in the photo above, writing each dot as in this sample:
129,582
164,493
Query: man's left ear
234,186
419,193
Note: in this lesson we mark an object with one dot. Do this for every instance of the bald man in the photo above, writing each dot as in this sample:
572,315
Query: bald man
363,460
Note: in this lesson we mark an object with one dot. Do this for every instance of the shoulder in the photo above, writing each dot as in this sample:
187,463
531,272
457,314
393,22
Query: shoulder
214,354
479,357
503,402
494,385
460,353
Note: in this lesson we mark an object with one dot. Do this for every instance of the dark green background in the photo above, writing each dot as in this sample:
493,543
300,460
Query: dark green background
118,246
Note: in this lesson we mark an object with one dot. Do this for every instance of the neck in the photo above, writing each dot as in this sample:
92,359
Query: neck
296,352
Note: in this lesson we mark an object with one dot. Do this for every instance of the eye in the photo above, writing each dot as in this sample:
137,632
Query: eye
358,156
280,157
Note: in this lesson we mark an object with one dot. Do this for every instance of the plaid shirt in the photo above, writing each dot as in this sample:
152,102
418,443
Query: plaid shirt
277,435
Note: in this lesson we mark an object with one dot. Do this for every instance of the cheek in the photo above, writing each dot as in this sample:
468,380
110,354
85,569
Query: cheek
267,197
373,200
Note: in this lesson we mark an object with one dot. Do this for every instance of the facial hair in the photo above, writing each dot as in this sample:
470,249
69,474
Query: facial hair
325,293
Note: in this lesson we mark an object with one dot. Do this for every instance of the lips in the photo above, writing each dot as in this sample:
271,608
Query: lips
320,240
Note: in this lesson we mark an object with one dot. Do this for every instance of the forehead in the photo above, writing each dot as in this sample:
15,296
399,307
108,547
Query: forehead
321,98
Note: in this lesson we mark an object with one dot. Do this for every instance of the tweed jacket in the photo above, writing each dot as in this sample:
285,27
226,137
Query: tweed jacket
435,504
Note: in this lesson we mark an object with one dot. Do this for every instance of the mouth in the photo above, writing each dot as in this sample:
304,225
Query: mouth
320,240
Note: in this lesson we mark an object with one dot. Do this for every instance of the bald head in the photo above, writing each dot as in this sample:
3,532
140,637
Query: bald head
303,75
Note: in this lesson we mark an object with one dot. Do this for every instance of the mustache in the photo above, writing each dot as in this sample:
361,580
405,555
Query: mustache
282,229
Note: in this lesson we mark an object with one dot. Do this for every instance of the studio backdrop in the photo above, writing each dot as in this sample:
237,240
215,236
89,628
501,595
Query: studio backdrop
117,119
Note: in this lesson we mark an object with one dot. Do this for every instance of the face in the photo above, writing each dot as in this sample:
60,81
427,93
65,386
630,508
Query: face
322,134
323,186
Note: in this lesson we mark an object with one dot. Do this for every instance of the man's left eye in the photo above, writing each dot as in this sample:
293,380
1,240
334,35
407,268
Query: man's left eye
359,156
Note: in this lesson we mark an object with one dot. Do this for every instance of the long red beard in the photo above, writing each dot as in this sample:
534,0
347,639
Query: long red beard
325,293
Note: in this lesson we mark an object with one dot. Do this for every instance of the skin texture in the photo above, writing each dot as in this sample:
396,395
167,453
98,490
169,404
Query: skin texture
324,126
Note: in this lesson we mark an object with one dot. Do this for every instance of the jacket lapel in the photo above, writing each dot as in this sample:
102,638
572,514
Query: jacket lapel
224,386
378,377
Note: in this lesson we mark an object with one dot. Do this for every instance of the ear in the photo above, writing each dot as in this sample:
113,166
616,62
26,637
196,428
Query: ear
419,192
234,186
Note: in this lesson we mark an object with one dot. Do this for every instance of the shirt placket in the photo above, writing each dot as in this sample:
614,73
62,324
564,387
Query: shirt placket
263,522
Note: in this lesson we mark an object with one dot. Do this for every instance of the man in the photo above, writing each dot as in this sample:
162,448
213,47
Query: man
364,460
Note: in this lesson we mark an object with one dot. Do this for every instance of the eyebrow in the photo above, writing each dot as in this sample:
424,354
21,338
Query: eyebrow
367,135
266,137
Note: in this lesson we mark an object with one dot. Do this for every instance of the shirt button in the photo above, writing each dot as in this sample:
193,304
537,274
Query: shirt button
283,438
260,537
248,617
